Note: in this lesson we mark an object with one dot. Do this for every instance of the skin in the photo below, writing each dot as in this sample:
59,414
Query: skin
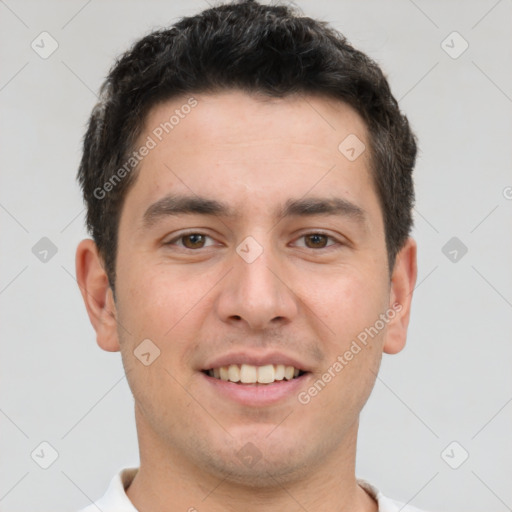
306,297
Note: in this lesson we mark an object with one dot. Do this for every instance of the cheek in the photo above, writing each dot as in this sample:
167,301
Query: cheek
154,306
158,302
349,307
347,302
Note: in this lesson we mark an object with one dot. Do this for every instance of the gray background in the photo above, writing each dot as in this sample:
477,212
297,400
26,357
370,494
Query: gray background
453,382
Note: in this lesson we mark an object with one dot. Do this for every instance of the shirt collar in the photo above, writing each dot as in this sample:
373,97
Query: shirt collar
116,499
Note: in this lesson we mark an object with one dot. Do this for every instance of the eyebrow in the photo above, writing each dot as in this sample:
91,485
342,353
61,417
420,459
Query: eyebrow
174,204
323,206
182,205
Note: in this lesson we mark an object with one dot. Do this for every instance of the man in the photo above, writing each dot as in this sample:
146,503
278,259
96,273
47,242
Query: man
248,180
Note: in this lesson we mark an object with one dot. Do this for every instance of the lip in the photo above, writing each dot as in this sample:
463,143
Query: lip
257,395
256,359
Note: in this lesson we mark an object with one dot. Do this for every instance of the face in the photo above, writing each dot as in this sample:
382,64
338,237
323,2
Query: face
250,247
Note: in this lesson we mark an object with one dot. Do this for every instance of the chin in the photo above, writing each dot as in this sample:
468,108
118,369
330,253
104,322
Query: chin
260,462
263,473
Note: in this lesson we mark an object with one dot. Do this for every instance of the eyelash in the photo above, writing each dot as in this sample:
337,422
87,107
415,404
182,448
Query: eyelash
184,235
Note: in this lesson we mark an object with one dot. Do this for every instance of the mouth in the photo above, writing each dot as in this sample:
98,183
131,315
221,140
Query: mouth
247,374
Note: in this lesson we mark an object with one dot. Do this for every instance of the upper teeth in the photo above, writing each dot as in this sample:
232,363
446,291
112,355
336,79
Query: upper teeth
249,374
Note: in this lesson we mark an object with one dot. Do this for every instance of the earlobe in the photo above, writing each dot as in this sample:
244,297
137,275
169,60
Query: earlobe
403,281
97,295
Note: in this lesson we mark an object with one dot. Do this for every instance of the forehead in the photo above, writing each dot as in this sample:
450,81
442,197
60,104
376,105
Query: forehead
230,118
248,149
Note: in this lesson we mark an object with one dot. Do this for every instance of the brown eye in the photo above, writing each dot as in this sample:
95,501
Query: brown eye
316,241
193,241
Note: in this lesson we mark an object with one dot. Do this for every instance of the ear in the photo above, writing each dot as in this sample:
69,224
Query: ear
97,294
403,280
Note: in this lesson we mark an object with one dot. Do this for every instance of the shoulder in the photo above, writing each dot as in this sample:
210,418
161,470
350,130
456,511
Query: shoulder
115,498
386,504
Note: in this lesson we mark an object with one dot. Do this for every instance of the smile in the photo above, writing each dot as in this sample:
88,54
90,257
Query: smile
250,374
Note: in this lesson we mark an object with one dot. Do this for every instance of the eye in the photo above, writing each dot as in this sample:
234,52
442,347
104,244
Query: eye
190,241
317,240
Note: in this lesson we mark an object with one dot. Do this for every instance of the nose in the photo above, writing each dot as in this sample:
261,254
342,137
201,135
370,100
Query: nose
257,293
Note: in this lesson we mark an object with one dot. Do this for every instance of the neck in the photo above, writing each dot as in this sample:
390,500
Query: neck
167,481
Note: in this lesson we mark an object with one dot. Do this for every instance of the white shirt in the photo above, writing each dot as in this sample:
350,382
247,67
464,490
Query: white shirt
116,500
